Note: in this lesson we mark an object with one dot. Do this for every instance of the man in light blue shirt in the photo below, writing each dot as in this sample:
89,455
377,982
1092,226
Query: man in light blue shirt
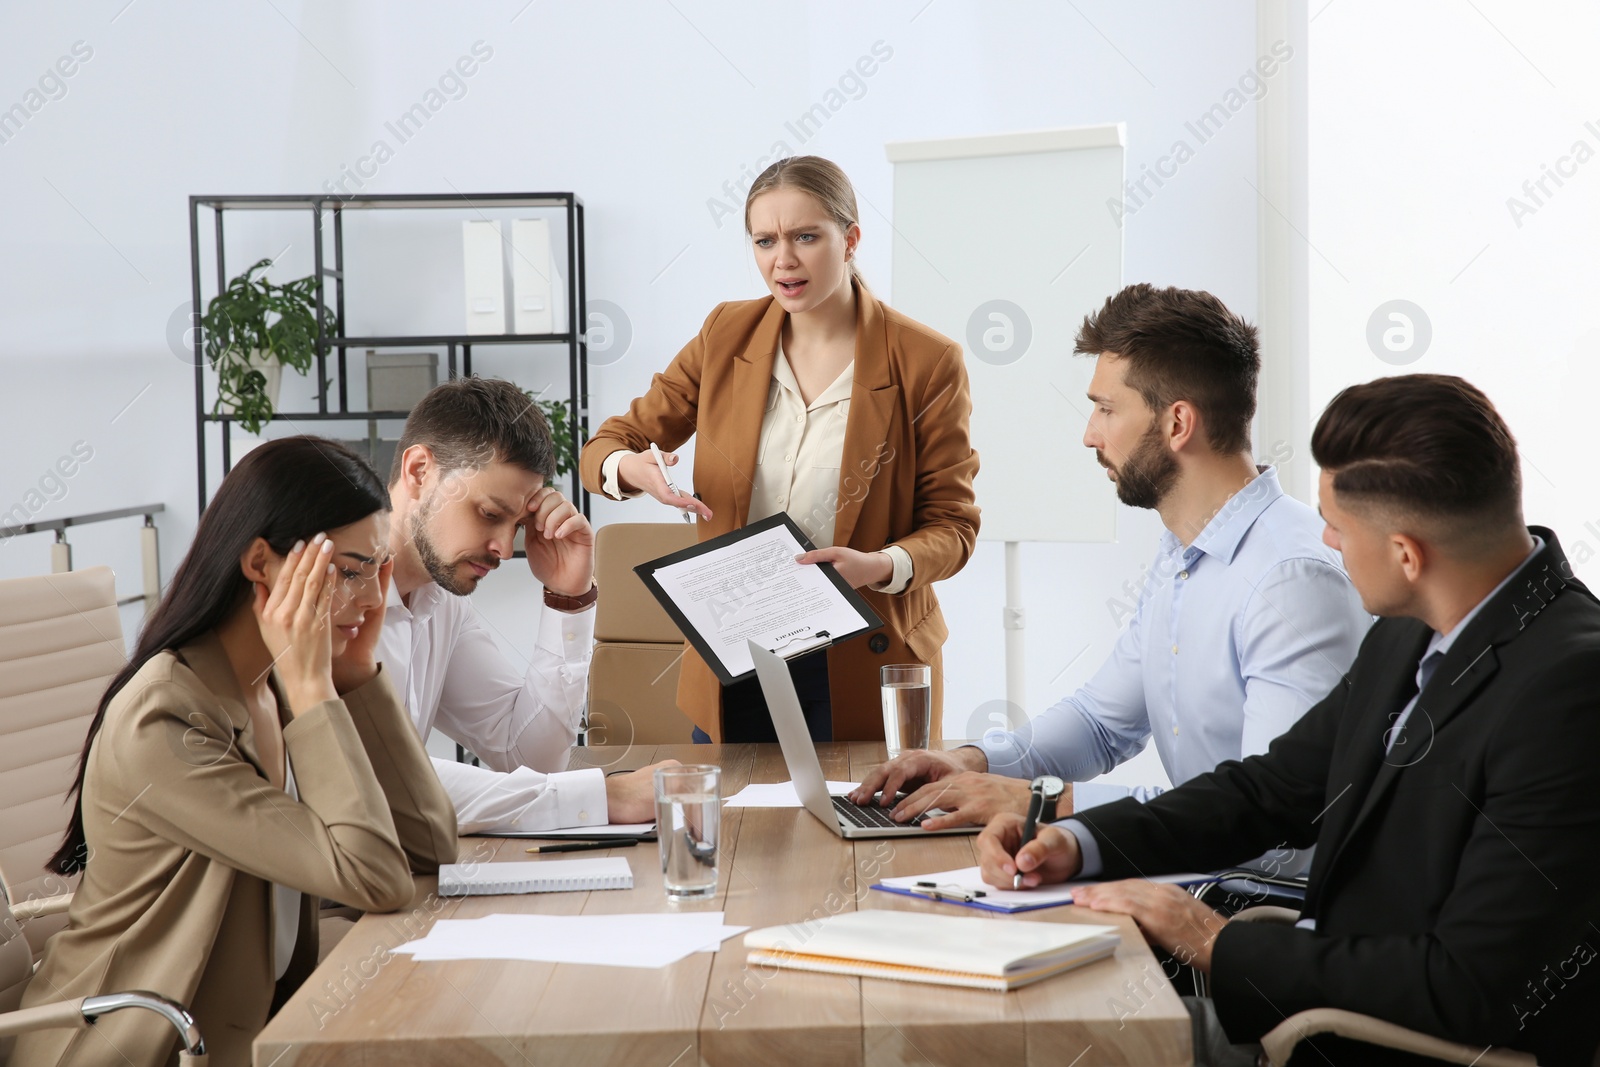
1245,618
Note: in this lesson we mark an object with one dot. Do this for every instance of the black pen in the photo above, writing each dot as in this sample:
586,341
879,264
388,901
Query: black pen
584,846
1030,826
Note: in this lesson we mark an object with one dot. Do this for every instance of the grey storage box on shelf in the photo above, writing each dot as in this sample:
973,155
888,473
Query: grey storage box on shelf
397,380
377,451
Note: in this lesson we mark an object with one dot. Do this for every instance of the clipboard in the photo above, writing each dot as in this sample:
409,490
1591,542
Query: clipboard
948,887
951,897
799,644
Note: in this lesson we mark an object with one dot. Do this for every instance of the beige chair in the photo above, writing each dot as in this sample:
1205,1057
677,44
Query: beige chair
60,644
633,679
16,966
1280,1043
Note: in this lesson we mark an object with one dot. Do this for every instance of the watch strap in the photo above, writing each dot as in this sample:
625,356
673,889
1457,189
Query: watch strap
562,602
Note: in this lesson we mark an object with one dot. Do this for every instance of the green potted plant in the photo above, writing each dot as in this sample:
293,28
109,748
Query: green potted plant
253,329
559,416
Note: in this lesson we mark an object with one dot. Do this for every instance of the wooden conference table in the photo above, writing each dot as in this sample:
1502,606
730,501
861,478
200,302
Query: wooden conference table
364,1005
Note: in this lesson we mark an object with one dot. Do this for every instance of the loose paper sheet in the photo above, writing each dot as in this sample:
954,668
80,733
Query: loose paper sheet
779,795
630,940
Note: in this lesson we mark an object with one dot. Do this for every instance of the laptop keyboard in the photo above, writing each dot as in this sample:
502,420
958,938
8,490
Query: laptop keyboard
870,816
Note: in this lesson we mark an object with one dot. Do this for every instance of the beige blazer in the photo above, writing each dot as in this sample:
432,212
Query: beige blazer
186,837
905,478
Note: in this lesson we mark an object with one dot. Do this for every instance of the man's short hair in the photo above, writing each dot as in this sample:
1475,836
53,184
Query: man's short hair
1181,344
472,422
1427,447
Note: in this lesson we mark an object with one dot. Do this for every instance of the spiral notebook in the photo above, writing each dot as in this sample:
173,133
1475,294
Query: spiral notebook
534,876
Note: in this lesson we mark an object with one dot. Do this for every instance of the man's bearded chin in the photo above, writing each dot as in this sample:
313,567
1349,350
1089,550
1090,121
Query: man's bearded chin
441,572
1147,476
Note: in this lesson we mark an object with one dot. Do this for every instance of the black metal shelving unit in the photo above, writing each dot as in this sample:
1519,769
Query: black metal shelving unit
458,347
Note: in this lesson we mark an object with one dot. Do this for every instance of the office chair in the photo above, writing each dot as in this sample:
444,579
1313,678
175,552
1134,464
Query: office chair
1279,1045
16,967
60,644
633,678
1231,892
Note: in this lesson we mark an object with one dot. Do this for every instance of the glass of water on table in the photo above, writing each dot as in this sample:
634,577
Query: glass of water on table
907,705
688,824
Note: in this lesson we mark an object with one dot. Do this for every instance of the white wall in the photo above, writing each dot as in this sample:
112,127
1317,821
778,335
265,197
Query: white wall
649,111
1425,126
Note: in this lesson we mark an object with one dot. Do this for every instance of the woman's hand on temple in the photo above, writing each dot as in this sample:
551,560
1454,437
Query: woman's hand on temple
358,663
296,624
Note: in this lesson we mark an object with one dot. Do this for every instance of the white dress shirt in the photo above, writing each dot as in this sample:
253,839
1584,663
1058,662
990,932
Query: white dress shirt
797,462
522,727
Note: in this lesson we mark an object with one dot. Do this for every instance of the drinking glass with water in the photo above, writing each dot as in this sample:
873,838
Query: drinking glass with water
907,705
688,822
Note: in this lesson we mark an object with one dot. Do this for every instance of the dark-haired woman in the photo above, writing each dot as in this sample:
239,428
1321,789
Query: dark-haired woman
249,759
820,401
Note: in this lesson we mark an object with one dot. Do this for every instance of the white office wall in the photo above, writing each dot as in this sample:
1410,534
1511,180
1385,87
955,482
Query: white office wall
655,113
1455,164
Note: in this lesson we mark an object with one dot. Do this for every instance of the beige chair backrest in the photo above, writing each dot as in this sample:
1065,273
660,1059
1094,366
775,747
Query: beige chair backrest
60,644
633,679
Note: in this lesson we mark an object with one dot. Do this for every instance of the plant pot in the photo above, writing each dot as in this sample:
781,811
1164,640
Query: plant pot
270,369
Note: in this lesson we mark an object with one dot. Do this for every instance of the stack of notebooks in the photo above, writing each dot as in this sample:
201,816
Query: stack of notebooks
937,949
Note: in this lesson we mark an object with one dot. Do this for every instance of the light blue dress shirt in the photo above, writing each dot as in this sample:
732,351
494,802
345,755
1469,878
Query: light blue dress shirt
1234,638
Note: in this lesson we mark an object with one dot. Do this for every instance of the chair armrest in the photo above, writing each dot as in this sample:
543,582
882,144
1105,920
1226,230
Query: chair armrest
1279,1044
23,910
63,1013
80,1012
1267,914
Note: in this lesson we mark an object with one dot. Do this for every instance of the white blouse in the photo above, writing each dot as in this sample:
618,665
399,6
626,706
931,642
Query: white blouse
797,462
285,901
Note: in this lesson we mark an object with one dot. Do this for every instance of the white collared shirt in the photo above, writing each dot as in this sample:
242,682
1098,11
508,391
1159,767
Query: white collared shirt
453,676
797,462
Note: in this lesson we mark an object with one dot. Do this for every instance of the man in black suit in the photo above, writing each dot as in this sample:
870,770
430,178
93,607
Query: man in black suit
1451,782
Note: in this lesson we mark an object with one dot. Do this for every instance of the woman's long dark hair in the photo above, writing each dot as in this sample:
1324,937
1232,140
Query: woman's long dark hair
282,491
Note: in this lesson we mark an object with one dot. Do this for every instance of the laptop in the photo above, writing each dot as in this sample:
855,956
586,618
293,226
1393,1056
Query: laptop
837,813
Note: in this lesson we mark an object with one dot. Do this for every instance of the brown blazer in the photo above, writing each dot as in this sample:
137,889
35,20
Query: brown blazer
905,477
186,837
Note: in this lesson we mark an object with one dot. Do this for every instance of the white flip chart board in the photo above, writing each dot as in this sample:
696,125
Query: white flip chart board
1003,243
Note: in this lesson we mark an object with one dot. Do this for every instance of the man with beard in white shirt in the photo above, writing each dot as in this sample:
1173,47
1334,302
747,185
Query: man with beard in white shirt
470,468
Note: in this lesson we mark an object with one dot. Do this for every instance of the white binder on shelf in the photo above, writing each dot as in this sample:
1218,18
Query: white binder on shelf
532,274
485,277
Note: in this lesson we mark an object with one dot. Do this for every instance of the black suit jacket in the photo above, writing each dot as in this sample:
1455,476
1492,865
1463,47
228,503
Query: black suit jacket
1456,883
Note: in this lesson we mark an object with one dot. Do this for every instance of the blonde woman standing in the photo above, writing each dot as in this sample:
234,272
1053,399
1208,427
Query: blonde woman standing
820,401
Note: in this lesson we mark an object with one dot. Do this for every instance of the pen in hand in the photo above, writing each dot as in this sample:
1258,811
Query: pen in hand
1030,827
661,465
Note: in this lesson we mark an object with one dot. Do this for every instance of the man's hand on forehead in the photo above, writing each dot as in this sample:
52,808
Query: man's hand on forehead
531,506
